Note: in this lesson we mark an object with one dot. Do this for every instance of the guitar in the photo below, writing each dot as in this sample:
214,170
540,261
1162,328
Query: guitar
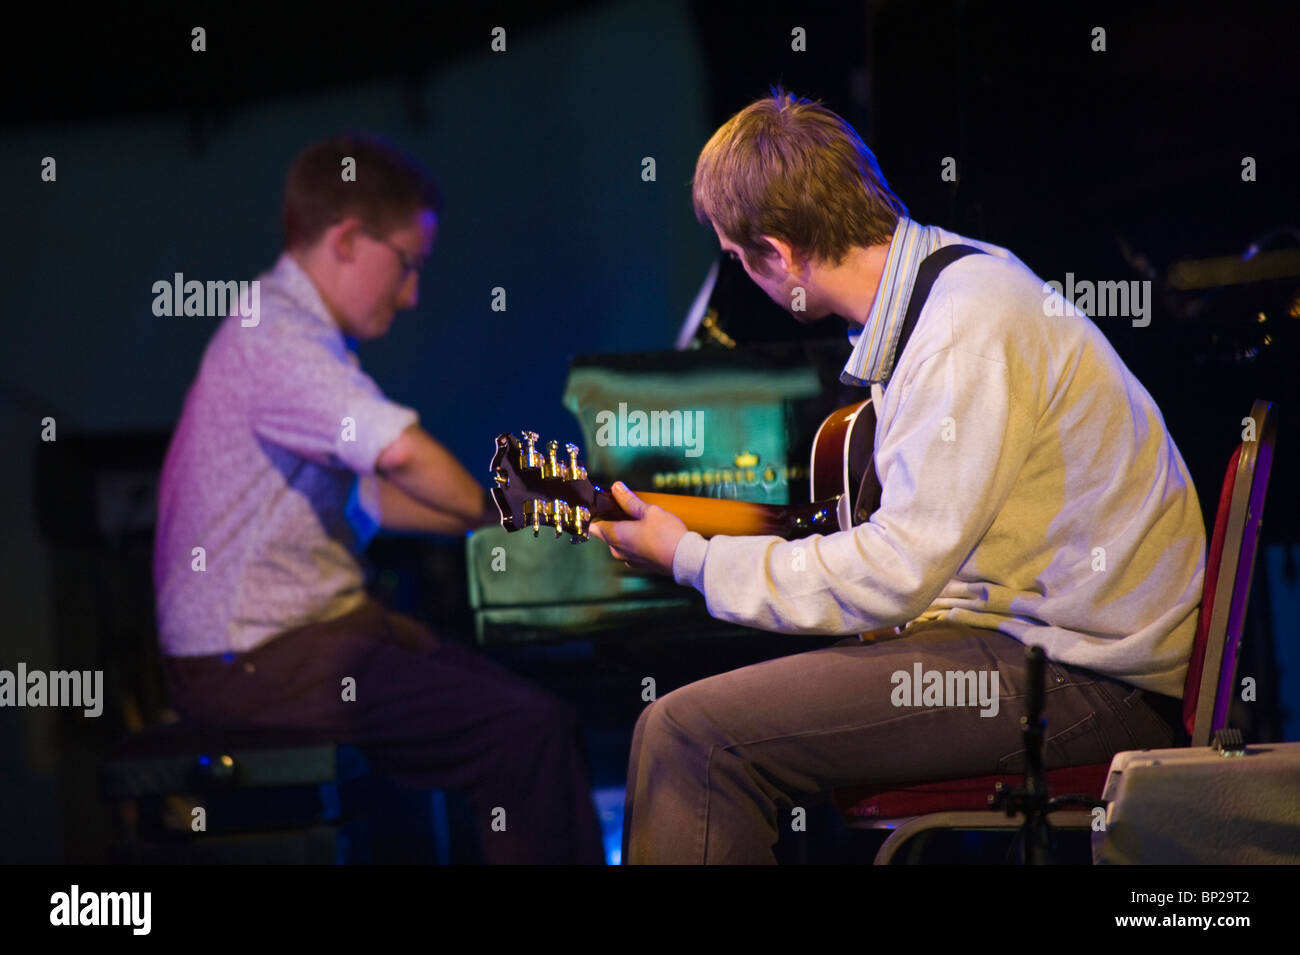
536,489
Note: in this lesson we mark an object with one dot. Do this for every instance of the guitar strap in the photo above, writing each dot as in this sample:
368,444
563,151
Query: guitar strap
868,496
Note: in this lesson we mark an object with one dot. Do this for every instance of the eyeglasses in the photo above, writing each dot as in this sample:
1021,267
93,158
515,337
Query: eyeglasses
409,264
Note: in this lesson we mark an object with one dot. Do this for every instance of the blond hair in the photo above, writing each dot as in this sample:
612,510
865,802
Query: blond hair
788,167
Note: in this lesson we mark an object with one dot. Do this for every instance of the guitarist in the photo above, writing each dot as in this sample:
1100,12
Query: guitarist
1030,494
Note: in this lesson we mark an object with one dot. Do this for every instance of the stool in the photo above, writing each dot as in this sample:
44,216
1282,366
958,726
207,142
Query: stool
267,796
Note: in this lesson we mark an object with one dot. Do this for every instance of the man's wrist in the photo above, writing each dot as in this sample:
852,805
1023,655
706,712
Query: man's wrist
688,560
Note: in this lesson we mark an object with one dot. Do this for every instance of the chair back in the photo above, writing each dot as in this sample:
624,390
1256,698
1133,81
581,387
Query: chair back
1229,567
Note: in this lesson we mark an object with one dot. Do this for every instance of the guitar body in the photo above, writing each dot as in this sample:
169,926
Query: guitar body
843,463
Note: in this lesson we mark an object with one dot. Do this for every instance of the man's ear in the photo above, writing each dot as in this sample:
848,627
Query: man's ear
341,238
790,260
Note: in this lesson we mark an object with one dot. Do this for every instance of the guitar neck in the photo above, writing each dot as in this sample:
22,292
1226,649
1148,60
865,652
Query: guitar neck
533,488
710,516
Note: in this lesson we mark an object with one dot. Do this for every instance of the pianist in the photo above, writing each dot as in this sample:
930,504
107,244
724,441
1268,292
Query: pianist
286,458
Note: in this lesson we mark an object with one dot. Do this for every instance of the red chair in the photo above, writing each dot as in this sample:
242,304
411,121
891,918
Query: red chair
1211,674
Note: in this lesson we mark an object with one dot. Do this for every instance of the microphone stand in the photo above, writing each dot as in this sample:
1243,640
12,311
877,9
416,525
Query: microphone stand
1033,798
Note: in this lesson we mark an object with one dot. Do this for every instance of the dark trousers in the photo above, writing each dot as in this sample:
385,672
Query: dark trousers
717,766
426,712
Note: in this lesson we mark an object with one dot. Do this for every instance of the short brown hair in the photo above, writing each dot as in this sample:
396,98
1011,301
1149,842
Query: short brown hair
390,187
787,167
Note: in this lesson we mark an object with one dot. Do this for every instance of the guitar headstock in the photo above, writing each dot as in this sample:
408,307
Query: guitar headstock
545,488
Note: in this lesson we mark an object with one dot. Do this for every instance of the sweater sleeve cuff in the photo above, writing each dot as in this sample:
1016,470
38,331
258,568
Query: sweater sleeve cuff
688,560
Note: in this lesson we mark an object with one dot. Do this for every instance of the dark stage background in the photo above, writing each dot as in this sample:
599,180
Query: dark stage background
1110,165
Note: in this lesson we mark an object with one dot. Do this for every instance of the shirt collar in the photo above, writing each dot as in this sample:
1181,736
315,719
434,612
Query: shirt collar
875,343
293,280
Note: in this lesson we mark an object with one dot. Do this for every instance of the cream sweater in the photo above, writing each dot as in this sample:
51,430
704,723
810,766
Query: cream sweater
1029,486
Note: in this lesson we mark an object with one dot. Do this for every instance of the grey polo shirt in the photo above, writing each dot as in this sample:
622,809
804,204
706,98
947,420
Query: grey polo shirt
253,535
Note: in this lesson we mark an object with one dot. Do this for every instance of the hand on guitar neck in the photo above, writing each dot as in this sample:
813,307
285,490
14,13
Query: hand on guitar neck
646,542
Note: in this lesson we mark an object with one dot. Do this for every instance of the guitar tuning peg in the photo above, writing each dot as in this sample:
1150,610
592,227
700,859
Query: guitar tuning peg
529,458
581,520
559,515
576,471
553,466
